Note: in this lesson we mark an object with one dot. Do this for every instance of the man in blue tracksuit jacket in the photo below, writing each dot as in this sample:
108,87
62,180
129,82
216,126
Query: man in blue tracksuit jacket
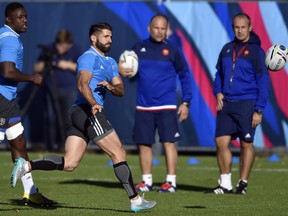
242,89
160,63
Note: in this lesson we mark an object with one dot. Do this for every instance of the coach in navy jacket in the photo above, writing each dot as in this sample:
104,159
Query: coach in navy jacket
160,63
242,90
250,79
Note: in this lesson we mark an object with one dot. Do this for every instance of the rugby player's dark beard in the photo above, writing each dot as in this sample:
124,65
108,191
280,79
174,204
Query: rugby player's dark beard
102,47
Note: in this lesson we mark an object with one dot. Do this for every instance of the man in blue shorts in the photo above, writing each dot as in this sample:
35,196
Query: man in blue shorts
11,61
160,64
97,74
242,90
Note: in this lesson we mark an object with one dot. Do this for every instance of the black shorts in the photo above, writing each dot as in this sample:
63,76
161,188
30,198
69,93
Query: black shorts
235,119
82,123
9,112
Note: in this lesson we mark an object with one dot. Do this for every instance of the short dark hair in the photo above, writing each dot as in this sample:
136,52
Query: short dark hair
11,7
159,15
98,27
242,15
64,36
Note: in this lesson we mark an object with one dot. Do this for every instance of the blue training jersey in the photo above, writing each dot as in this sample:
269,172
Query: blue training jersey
102,68
159,66
11,50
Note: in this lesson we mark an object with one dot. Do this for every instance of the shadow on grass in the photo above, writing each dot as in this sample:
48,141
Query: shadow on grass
94,183
191,188
54,207
118,185
195,207
14,202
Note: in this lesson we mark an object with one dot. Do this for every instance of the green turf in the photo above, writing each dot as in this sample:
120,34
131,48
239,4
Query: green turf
92,189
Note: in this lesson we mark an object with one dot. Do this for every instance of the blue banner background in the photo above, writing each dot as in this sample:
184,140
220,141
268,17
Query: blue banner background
202,27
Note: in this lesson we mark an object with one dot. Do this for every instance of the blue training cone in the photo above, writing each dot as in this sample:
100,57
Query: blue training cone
192,161
110,163
155,161
273,158
235,160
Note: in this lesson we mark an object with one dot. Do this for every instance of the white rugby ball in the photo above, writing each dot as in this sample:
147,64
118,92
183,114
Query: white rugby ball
130,60
276,57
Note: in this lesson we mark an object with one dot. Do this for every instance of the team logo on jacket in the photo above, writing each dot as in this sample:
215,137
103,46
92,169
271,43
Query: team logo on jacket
246,52
165,52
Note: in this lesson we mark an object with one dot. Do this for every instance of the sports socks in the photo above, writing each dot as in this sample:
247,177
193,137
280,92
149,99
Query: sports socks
246,181
28,184
124,175
225,181
148,179
48,163
172,179
137,201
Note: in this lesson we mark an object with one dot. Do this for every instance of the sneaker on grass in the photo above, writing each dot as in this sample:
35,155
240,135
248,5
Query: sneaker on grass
241,187
219,190
18,171
36,199
142,187
144,205
167,187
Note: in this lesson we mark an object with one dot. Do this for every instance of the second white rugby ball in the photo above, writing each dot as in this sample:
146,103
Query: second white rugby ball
276,57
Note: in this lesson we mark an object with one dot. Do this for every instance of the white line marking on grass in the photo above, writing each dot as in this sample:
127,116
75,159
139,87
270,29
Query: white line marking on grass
235,169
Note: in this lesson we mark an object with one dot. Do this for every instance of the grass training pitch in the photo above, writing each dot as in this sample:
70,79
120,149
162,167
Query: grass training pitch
92,189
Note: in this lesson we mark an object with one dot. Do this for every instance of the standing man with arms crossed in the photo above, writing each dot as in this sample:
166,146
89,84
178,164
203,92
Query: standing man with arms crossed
97,73
11,62
159,65
242,89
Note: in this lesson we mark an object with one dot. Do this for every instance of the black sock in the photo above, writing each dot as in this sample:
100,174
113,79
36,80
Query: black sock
124,175
48,163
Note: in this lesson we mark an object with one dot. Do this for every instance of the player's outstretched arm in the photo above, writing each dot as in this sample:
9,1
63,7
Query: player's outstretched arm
9,71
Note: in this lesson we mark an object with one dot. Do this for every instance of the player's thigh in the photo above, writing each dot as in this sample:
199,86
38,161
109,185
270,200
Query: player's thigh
75,148
223,141
112,145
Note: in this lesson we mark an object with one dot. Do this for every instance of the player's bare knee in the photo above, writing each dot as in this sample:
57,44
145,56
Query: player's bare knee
122,154
118,156
247,145
70,166
222,143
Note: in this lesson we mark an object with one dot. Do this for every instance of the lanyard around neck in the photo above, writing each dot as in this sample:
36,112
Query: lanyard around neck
234,59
